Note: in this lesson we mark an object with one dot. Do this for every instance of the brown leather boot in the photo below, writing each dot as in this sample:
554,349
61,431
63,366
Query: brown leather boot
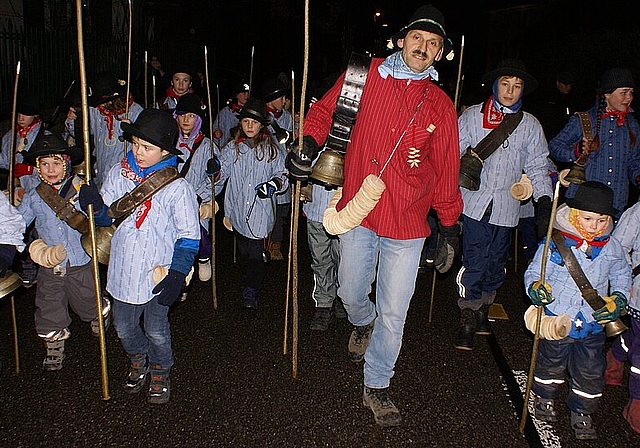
467,331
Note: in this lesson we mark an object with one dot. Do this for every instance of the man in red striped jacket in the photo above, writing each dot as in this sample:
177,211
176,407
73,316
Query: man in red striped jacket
406,133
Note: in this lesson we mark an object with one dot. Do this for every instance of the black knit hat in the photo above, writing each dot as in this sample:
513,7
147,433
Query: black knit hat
106,88
255,109
426,18
183,69
47,143
191,102
272,89
511,67
28,103
615,78
240,88
592,196
156,127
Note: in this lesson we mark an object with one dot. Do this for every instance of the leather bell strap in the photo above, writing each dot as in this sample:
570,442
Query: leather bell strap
348,103
63,209
497,136
143,191
589,294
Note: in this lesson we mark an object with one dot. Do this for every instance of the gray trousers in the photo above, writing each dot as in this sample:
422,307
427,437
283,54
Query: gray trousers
55,294
325,257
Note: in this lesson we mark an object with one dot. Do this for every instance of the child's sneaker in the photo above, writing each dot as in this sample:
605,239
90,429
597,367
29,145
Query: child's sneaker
545,409
55,356
106,319
137,374
204,270
160,386
582,425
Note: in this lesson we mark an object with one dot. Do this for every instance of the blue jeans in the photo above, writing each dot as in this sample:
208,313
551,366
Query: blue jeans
154,340
397,267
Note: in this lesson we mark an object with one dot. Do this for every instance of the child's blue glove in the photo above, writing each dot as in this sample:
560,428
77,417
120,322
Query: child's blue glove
89,194
170,287
267,189
213,167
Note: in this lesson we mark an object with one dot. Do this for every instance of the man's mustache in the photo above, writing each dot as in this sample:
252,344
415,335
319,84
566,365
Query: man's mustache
419,52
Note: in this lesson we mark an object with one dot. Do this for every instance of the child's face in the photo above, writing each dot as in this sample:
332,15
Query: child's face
278,103
242,98
250,127
145,153
181,82
593,222
51,169
25,120
509,90
186,122
620,99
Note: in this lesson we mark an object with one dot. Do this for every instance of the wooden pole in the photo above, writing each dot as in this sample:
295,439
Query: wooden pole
10,187
92,228
536,336
146,81
214,295
457,96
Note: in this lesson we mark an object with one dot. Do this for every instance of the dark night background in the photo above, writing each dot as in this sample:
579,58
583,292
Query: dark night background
584,38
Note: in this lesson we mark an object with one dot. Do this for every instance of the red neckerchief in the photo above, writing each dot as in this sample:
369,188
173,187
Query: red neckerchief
275,112
235,107
492,117
109,115
580,241
23,131
196,140
173,94
143,209
620,116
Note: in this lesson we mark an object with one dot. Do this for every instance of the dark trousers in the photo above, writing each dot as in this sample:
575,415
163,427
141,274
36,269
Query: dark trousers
250,260
626,348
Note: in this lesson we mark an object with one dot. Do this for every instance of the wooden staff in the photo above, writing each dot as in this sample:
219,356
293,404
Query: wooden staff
540,310
291,230
10,186
146,81
126,107
433,293
153,90
251,70
214,294
457,97
217,114
92,228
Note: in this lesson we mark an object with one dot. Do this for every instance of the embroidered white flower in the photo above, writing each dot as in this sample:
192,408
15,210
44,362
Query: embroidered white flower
414,158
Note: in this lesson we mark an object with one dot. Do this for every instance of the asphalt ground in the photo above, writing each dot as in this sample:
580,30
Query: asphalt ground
233,385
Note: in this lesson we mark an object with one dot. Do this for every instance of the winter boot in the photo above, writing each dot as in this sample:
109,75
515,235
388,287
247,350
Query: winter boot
631,414
615,370
359,341
106,319
204,269
321,319
160,386
275,251
483,326
54,342
582,425
137,374
465,340
545,409
384,411
250,298
338,309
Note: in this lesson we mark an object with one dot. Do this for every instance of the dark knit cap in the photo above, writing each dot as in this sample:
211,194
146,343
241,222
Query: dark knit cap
615,78
106,88
191,102
28,103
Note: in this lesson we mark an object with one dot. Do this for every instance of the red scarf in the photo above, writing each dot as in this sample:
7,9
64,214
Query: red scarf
173,94
143,209
23,131
492,117
580,241
235,108
109,115
196,140
275,112
620,116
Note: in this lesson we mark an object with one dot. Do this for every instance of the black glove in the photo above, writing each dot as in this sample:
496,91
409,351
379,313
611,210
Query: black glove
298,161
7,252
543,215
213,167
448,246
89,194
266,189
170,287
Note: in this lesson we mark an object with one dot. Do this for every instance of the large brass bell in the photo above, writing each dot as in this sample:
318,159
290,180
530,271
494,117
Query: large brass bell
329,169
103,243
614,328
9,283
576,174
